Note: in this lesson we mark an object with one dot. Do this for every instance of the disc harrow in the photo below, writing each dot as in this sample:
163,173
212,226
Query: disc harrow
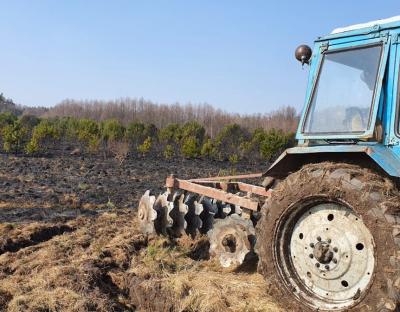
217,207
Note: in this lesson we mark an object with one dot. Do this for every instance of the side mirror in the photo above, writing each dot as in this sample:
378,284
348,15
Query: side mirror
303,54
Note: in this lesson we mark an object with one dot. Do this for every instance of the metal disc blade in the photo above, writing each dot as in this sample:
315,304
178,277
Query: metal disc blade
161,207
146,213
177,215
192,217
207,215
231,240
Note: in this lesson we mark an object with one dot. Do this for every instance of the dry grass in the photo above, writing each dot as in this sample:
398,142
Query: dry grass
77,271
104,265
214,291
190,285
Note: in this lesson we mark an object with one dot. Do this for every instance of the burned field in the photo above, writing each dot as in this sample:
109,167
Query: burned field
70,241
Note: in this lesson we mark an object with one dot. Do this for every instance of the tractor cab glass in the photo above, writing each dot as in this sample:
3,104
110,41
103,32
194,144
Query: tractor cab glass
343,96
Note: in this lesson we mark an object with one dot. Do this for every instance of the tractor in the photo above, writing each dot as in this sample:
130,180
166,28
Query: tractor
325,221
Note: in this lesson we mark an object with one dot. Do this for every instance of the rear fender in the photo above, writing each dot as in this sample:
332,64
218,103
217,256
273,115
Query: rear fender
294,158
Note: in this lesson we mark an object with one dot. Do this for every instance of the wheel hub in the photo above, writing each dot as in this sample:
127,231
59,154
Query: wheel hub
325,253
229,242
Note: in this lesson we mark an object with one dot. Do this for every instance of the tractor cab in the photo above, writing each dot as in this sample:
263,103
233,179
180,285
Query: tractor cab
351,110
324,224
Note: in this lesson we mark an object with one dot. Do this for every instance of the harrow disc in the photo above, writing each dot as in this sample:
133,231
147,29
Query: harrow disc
231,240
223,209
162,206
207,215
192,217
176,216
146,213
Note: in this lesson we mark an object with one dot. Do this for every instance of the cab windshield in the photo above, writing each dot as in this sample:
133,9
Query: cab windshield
343,96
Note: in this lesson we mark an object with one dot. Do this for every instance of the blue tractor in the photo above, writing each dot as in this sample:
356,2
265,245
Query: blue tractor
326,223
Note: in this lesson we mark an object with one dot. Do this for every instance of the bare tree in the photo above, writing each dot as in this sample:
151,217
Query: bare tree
128,110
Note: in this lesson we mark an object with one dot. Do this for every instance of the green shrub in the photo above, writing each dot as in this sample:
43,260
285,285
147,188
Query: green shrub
68,127
273,143
234,158
208,149
187,139
135,134
42,134
190,147
6,119
14,137
250,149
140,135
145,147
169,152
88,133
193,129
86,129
191,139
170,134
229,140
112,130
169,139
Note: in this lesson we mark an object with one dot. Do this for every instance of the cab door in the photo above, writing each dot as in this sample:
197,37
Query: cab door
391,113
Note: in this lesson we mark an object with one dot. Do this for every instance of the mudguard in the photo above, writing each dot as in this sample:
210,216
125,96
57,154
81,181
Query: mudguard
294,158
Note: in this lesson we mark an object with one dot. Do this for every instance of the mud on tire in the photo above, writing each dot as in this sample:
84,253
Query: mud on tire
374,199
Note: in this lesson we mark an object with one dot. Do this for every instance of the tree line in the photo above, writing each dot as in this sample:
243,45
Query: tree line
32,135
161,115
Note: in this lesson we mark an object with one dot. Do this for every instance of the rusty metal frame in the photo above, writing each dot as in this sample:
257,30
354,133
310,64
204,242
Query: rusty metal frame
221,188
236,177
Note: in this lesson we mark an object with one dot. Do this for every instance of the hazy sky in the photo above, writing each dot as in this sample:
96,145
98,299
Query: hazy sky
236,55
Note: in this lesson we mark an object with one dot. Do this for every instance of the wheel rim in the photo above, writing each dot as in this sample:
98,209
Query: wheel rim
324,254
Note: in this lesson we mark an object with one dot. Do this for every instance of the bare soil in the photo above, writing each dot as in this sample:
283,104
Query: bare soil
69,241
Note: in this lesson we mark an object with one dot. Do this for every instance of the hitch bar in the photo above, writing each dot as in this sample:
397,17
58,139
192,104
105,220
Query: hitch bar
221,189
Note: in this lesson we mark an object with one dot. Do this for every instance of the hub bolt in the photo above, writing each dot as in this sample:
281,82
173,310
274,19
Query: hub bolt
334,260
335,249
311,256
312,245
327,267
317,265
329,240
319,238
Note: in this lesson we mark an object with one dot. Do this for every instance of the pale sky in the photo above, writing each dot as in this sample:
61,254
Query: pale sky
235,55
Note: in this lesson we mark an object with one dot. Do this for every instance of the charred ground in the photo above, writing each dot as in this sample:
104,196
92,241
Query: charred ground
69,241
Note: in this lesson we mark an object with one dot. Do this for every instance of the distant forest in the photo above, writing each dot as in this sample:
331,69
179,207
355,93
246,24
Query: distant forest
127,127
139,110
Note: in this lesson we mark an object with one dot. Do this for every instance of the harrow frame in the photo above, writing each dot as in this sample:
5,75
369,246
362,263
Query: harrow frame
223,188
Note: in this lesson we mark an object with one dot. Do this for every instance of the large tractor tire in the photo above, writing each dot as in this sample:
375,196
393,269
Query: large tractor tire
328,240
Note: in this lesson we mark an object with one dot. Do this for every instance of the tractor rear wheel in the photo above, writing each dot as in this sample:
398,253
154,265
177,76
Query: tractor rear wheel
329,237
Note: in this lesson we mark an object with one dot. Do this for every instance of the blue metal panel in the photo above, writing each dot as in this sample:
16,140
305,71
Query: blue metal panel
390,123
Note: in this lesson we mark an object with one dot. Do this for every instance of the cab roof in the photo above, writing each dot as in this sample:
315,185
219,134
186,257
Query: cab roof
383,23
